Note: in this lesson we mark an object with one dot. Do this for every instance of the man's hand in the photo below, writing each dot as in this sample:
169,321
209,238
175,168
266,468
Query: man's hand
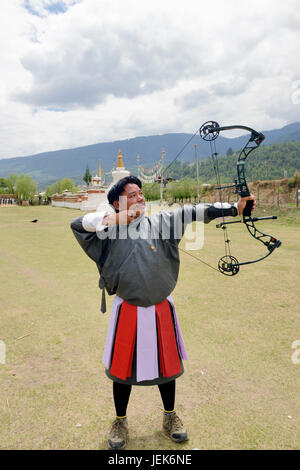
243,201
124,217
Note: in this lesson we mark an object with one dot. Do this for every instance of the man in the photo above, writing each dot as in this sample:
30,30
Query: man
138,260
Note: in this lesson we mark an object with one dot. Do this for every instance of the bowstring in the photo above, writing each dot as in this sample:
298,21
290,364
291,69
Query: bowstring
195,257
214,157
178,155
218,182
174,159
183,148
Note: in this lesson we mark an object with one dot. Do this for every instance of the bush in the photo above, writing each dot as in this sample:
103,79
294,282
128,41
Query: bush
59,186
184,189
151,191
294,181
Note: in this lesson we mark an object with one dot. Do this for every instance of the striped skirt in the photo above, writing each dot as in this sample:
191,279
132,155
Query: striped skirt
144,346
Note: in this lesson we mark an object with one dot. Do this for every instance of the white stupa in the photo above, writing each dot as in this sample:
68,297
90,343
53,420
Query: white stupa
95,196
119,172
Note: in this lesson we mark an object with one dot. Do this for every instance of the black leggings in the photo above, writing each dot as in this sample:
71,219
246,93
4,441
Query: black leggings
122,393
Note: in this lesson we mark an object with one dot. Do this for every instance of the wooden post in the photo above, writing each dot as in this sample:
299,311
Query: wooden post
297,197
257,197
278,194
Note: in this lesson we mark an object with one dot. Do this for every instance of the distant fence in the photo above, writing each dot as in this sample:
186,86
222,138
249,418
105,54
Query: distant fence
267,193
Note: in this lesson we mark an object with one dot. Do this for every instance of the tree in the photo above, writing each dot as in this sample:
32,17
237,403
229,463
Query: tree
66,183
53,189
229,151
60,186
26,187
87,178
3,185
11,183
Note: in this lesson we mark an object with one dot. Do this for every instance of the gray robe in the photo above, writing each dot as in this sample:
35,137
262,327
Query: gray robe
140,262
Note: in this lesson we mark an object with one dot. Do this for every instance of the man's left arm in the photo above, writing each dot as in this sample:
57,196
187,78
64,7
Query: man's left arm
180,218
221,209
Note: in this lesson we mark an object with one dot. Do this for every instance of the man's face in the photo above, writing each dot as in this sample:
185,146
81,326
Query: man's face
132,195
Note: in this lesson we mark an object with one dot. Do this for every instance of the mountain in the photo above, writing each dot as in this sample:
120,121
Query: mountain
47,167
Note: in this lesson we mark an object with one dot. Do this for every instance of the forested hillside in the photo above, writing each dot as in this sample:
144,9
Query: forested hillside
266,163
49,167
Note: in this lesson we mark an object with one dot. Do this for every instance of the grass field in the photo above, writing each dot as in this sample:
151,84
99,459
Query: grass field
240,389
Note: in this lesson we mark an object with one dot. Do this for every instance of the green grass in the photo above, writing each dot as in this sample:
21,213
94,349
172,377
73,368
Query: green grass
240,389
287,214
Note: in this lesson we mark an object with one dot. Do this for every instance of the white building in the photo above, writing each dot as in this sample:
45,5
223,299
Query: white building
95,196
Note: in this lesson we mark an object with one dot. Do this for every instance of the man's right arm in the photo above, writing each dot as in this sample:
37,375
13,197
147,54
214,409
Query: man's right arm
123,217
85,228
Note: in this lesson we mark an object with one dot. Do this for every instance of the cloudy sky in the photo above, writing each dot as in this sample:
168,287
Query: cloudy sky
79,72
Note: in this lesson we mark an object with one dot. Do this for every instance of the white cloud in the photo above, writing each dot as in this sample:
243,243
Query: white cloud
45,8
80,72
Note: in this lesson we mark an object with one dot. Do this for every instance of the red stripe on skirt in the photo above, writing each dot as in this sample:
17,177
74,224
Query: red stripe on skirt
124,342
125,339
167,345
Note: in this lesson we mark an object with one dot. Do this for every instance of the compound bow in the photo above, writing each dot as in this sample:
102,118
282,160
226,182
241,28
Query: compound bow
228,264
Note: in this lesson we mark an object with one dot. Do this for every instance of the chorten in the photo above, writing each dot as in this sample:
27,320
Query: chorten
120,160
96,180
120,171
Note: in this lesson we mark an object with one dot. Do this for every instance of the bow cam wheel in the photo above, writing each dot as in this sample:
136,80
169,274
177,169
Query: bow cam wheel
228,265
209,130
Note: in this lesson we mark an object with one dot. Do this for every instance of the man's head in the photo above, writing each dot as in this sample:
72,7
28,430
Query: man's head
125,193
